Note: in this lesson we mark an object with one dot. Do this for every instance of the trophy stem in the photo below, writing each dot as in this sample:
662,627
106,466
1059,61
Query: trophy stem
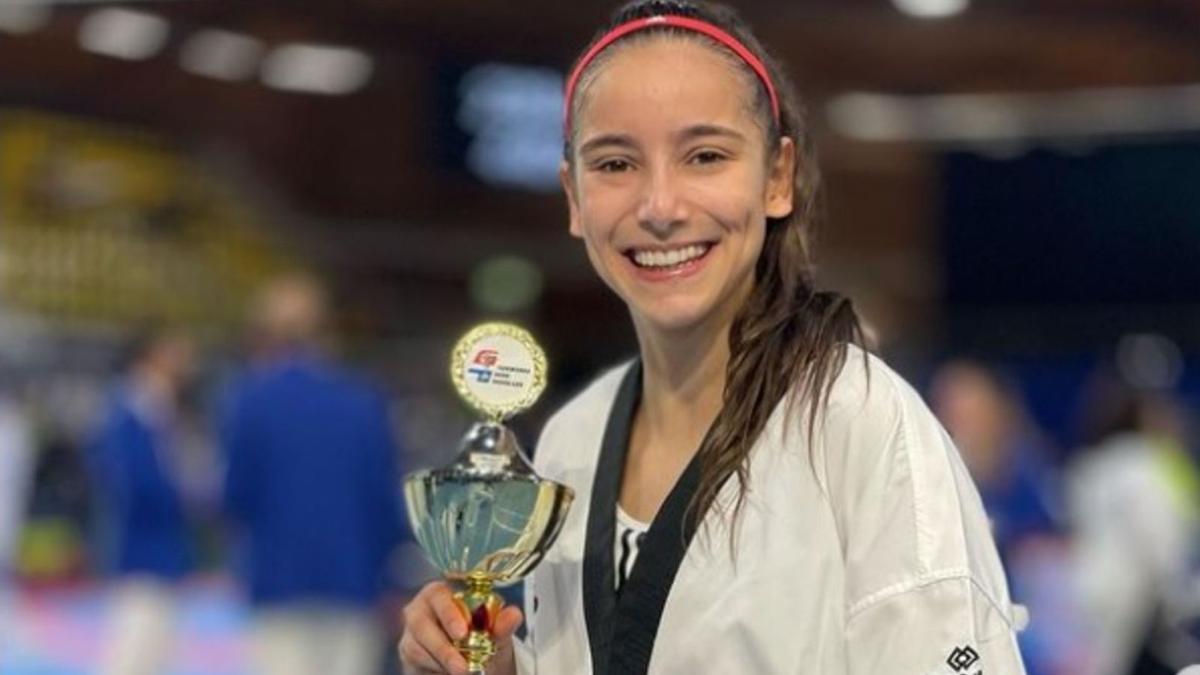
481,606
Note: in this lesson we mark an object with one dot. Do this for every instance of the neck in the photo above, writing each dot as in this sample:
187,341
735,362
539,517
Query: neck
683,369
683,376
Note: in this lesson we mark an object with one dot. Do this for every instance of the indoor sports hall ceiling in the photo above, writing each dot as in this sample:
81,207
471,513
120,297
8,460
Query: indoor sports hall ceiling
362,157
354,155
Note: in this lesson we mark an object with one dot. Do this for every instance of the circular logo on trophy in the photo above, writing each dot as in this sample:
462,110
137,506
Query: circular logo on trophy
498,369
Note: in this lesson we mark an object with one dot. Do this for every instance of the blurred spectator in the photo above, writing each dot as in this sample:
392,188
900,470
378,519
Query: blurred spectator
1002,450
1007,458
312,480
1133,500
134,462
16,470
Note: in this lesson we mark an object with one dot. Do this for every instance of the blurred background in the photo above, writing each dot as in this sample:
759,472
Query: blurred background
207,206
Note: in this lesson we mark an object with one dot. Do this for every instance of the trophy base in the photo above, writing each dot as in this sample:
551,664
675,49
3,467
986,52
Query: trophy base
481,606
478,648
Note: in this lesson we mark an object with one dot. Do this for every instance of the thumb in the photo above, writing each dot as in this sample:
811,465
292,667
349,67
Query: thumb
507,622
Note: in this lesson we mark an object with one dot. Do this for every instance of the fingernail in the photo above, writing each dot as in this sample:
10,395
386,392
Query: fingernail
460,631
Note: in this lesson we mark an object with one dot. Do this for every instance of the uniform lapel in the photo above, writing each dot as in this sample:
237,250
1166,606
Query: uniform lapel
599,600
630,623
640,607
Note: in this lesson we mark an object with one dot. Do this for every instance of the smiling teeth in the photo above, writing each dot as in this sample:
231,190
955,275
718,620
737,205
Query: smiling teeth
670,258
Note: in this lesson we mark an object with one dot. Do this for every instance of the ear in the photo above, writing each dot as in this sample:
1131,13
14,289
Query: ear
567,178
781,180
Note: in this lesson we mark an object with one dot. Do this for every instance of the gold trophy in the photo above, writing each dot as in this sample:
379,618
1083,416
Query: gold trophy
487,519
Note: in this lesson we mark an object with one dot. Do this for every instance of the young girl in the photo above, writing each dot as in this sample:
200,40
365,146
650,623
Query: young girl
754,493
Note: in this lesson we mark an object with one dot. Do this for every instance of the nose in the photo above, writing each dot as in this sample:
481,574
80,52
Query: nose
662,208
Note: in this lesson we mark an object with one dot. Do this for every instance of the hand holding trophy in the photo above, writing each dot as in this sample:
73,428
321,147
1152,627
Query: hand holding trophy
487,519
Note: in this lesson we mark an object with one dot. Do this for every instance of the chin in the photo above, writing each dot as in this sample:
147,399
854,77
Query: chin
670,316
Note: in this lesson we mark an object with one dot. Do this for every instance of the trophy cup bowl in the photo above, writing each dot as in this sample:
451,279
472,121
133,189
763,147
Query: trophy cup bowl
487,519
484,521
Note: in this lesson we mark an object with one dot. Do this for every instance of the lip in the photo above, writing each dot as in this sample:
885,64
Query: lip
659,275
628,250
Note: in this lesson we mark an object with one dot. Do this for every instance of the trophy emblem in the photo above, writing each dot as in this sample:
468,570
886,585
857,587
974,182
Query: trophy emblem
487,519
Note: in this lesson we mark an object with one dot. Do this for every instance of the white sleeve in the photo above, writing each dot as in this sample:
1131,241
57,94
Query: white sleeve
523,649
524,656
939,627
924,590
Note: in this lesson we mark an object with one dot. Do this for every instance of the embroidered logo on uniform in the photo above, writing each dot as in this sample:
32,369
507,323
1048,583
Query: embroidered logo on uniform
962,658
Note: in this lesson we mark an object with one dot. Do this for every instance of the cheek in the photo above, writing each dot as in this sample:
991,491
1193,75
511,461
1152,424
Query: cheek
594,234
599,214
741,218
737,202
603,264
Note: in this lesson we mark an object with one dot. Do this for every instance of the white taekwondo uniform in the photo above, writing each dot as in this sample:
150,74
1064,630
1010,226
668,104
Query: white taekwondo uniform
864,553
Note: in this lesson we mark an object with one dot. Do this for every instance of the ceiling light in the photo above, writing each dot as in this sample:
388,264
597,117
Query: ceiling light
123,33
1003,117
23,17
931,9
220,54
316,69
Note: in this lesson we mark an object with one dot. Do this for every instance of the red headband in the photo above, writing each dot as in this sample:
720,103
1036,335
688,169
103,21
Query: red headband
696,25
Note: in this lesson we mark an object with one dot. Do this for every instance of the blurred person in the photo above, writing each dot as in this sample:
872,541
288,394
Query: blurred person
16,473
1132,497
1007,457
754,492
1002,450
312,481
133,456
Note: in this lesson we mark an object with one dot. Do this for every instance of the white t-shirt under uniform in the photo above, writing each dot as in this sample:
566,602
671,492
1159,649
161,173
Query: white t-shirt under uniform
630,533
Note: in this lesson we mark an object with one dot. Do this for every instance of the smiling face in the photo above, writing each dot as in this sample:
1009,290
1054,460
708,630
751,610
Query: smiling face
671,182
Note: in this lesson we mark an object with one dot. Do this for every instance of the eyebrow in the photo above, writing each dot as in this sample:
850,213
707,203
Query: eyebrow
603,140
687,134
701,130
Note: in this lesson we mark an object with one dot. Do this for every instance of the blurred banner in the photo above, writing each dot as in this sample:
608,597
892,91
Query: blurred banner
106,224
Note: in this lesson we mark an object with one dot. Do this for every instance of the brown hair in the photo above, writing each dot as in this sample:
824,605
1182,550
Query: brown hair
787,336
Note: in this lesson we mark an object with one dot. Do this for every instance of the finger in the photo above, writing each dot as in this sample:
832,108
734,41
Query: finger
415,658
507,622
448,612
424,638
430,636
416,670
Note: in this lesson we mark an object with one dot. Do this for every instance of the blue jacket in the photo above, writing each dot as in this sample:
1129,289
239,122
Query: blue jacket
132,457
312,479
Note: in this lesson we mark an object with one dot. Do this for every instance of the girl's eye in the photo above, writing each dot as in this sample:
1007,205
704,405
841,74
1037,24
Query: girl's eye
707,157
612,166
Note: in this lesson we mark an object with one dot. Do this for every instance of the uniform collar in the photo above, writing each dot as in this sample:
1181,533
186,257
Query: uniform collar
630,620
